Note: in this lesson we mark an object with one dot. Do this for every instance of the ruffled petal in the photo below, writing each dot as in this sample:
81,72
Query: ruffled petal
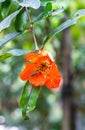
53,77
32,57
37,80
29,69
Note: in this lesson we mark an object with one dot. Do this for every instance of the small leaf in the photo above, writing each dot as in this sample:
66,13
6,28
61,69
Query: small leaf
28,99
30,3
66,24
7,21
48,7
8,37
5,56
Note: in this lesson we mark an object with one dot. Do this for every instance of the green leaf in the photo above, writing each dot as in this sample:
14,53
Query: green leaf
2,1
21,21
33,98
5,6
18,52
57,11
7,21
30,3
5,56
48,13
8,37
78,14
60,28
48,7
14,52
66,24
28,99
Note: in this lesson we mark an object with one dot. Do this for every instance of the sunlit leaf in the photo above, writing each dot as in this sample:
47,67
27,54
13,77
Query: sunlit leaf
78,14
8,37
48,7
48,13
5,56
7,21
2,1
33,98
17,52
28,99
66,24
30,3
60,28
14,52
57,11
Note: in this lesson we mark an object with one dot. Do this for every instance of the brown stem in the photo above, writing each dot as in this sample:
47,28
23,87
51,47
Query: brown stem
32,29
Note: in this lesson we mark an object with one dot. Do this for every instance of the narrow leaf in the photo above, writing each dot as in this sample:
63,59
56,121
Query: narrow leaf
78,14
24,100
33,98
63,26
17,52
28,99
5,56
8,37
7,21
21,22
30,3
14,52
57,11
48,13
2,1
66,24
5,7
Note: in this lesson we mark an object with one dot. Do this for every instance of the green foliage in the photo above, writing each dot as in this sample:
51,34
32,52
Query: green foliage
46,17
28,99
7,38
66,24
7,21
10,53
48,12
5,56
21,21
5,6
2,1
33,3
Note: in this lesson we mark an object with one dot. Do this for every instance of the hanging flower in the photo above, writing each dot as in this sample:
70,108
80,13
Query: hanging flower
41,70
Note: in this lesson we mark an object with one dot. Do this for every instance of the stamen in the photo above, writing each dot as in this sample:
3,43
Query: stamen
44,67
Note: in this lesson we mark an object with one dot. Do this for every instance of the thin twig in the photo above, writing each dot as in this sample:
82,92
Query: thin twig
32,29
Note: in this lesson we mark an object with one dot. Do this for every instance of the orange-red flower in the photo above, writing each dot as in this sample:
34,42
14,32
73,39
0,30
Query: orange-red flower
41,70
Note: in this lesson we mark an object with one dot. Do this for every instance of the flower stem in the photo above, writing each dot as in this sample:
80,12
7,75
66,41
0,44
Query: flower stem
32,29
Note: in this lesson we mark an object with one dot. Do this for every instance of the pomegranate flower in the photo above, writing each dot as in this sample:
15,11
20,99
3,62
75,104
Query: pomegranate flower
41,70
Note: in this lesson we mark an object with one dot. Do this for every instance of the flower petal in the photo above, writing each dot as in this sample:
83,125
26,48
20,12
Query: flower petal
32,57
29,69
53,77
37,80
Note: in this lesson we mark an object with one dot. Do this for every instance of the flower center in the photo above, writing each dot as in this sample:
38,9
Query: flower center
44,67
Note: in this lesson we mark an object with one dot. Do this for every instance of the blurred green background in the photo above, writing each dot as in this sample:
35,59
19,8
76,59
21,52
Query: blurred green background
49,112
